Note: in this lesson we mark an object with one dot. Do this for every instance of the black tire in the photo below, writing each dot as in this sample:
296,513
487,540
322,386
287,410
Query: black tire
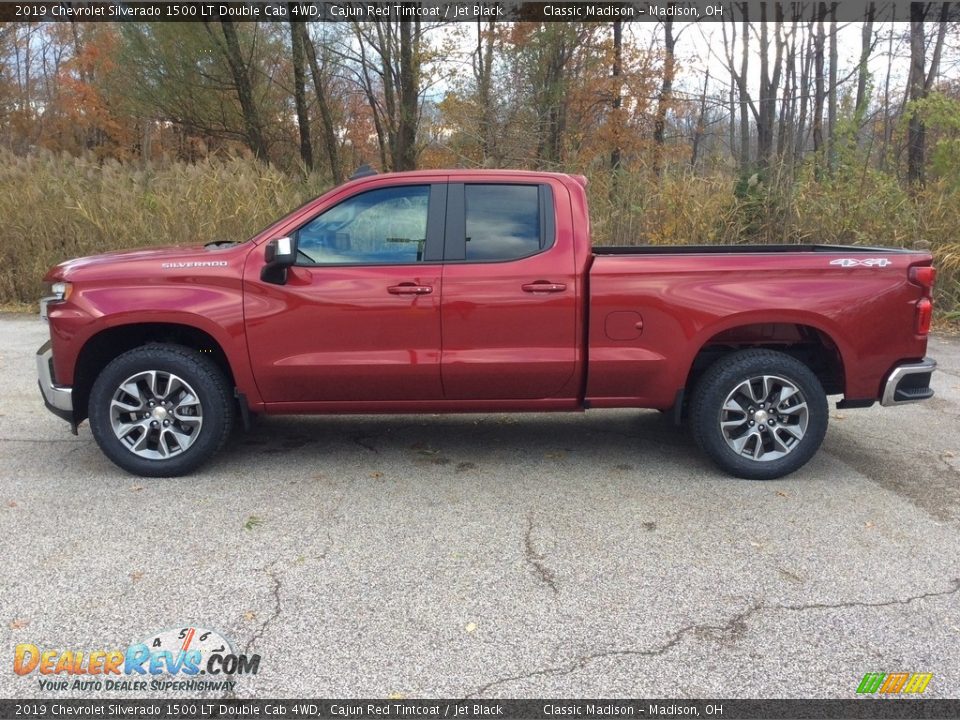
215,409
724,378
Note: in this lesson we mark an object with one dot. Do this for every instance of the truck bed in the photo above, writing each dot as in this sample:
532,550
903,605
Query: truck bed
652,308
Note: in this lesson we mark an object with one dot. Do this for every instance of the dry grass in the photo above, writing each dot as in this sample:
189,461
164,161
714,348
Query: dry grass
860,208
56,207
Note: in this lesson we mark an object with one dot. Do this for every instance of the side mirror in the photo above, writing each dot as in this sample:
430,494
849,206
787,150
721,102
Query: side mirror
279,254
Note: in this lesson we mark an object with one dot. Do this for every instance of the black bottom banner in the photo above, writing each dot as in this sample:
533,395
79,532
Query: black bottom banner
468,709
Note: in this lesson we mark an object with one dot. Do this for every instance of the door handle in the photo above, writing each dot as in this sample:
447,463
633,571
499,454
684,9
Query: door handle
409,289
542,286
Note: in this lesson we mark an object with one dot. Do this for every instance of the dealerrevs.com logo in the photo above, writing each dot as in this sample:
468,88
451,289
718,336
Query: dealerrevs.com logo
188,658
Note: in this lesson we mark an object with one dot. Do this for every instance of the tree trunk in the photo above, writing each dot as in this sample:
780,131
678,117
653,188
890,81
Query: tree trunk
787,116
406,154
818,96
832,96
483,70
382,139
666,95
887,124
617,94
241,80
300,91
920,83
916,132
866,44
744,98
769,84
326,116
938,46
552,96
806,62
701,122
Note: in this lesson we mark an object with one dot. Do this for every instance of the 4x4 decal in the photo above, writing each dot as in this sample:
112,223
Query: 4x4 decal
869,262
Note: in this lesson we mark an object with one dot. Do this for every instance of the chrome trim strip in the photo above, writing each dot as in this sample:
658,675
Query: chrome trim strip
898,373
44,303
57,396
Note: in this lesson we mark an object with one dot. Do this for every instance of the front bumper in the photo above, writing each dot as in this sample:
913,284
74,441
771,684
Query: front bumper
57,398
909,383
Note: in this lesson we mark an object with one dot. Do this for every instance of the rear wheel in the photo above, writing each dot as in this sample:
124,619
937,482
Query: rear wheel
160,410
759,414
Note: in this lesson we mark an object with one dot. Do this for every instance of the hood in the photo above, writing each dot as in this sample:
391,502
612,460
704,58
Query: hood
156,258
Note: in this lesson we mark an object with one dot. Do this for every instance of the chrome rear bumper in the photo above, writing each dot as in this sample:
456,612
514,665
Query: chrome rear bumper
909,383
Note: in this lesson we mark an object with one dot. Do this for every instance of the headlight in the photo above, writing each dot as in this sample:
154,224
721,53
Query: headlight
60,291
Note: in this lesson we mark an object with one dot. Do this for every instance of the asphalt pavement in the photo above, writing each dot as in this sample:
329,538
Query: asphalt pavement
548,555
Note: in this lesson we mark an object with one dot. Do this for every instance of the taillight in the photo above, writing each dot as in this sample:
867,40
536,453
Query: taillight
924,277
924,315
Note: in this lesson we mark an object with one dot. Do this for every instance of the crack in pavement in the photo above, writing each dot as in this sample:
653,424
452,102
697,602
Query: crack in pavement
535,559
277,580
277,575
735,627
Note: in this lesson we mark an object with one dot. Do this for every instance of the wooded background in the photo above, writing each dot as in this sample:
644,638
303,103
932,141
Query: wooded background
762,130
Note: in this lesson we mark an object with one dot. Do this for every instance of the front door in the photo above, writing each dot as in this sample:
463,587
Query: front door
358,318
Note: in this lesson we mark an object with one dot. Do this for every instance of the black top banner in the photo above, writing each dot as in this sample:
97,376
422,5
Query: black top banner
465,11
472,709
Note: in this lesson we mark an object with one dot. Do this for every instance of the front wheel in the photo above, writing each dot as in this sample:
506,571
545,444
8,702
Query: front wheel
160,410
759,414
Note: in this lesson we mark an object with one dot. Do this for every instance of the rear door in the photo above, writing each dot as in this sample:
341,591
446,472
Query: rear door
358,318
509,307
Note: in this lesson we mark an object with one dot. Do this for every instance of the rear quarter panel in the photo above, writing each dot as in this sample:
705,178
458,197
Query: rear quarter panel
685,300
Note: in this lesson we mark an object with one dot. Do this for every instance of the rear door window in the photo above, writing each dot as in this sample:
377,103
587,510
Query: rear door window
502,221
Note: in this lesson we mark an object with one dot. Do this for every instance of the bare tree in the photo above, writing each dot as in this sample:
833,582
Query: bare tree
483,74
920,83
738,82
818,97
617,91
330,141
807,53
405,152
701,124
769,83
297,53
887,120
229,45
832,94
387,65
666,93
866,47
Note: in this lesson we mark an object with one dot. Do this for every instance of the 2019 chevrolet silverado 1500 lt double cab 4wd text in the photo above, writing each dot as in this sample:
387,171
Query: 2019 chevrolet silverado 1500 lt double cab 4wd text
476,291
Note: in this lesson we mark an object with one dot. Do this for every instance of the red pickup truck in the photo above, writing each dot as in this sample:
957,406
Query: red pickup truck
478,291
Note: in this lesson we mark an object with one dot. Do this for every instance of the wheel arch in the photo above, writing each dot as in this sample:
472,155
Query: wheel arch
111,342
809,340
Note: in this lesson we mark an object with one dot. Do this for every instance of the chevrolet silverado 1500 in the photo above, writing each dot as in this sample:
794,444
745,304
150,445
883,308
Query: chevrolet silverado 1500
478,291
